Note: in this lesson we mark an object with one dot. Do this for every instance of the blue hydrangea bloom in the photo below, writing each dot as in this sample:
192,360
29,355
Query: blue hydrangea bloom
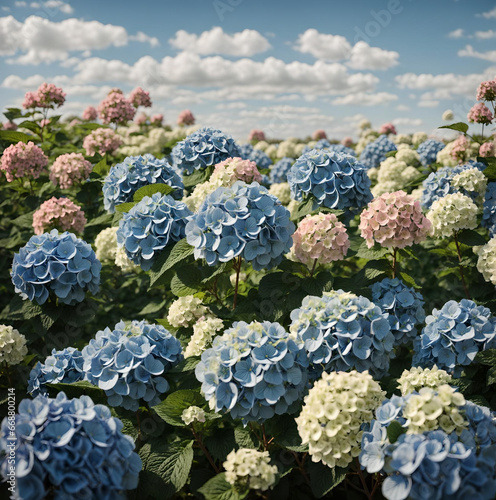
64,366
248,152
325,144
489,211
341,331
320,144
125,178
375,152
453,335
279,171
334,180
150,226
129,362
404,306
428,151
56,264
69,449
206,146
241,220
253,371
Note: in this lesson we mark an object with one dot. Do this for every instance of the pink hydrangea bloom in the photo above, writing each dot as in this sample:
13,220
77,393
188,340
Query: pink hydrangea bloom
460,147
10,126
115,108
21,159
90,114
256,135
102,140
480,113
140,97
48,95
59,213
319,134
30,100
70,169
387,128
320,237
244,170
487,91
140,119
487,149
347,141
394,220
157,119
185,118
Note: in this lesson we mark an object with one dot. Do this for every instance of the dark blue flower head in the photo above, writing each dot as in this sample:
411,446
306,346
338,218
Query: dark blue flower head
241,220
206,146
489,211
129,362
125,178
341,332
279,171
248,152
330,179
150,226
428,151
404,306
453,335
55,264
253,371
68,448
374,153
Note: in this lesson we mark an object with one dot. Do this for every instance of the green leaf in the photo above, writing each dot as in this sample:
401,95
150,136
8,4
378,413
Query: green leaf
125,207
376,252
101,220
100,169
304,208
459,127
220,443
487,357
30,125
81,388
12,113
197,177
186,365
491,376
181,289
490,170
14,136
409,280
91,126
394,431
172,408
165,261
24,221
471,238
375,268
218,488
152,189
244,438
390,154
323,479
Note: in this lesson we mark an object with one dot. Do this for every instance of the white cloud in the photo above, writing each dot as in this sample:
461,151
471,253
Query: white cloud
20,4
144,38
402,107
459,33
427,103
323,46
244,43
485,35
58,5
468,51
363,56
412,122
490,14
365,99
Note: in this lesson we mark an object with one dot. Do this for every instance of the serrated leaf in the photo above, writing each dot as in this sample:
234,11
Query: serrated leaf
30,125
125,207
186,365
409,280
487,357
491,376
14,136
100,169
181,289
323,479
490,170
151,189
101,220
218,488
394,431
459,127
391,154
376,252
172,408
220,443
304,208
169,257
471,238
198,176
81,388
244,438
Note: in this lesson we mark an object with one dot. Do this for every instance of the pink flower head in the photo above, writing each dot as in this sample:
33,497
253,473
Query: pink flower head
256,135
319,134
139,97
70,169
487,149
243,170
460,147
90,114
102,140
387,128
140,119
58,213
115,108
10,126
480,113
21,159
487,91
157,119
321,237
394,220
185,118
50,96
30,100
347,142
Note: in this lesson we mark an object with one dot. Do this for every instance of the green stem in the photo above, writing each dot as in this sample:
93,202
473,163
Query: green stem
313,267
204,449
237,266
395,250
362,480
465,287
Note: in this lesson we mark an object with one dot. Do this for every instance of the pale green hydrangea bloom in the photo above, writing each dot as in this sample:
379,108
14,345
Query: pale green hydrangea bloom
250,468
416,378
473,181
486,263
185,311
12,345
204,331
193,414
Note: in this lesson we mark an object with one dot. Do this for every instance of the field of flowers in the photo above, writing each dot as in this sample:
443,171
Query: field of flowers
184,316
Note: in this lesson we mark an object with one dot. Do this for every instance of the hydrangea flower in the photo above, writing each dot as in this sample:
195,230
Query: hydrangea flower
150,225
193,414
90,114
487,91
489,209
334,411
206,146
58,213
185,118
416,378
139,97
387,128
57,265
347,142
261,159
471,182
341,332
331,179
459,148
375,152
279,171
404,306
23,160
252,371
70,169
247,468
108,251
204,331
48,96
64,366
428,151
129,362
392,175
115,108
480,113
486,262
487,149
157,119
102,140
282,192
256,135
453,335
448,115
186,311
241,220
69,448
12,345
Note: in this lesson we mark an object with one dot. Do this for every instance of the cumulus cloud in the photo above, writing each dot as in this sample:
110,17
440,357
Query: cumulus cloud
365,99
491,14
216,41
459,33
468,51
407,122
485,35
363,56
427,103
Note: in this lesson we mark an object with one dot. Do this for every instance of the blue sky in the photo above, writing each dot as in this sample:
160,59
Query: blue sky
285,67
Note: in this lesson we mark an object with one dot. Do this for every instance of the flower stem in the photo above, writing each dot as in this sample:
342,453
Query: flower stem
395,250
237,266
264,436
205,451
362,480
313,267
465,287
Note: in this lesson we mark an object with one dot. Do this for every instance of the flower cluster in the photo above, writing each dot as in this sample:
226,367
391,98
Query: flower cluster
334,411
139,97
115,108
157,119
9,125
58,213
282,192
261,159
204,331
487,91
186,311
250,469
125,178
58,264
47,96
416,378
90,114
428,151
185,118
387,128
471,182
448,115
64,366
480,113
486,262
320,238
101,141
453,335
319,134
279,171
404,306
253,371
375,152
347,142
489,209
151,225
256,135
108,251
193,414
141,119
341,331
128,362
21,159
70,169
71,448
331,179
12,345
487,149
202,148
393,175
459,148
241,220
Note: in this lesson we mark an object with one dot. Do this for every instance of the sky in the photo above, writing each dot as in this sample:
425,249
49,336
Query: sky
286,67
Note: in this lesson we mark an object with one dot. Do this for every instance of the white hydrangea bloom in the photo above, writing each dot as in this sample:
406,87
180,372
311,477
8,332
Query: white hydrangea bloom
364,124
448,115
281,191
368,137
123,261
201,191
261,145
232,278
393,175
298,150
416,194
408,155
452,213
486,263
402,139
106,245
471,180
250,468
193,414
271,150
418,138
335,408
204,331
286,148
373,174
416,378
444,156
12,345
185,311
